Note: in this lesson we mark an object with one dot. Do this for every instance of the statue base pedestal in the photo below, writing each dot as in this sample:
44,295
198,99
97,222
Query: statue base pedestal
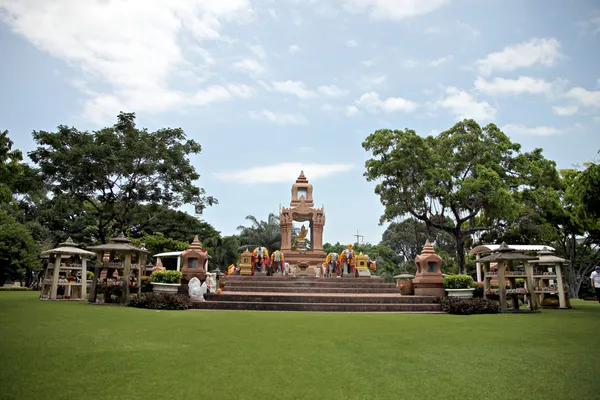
245,269
312,258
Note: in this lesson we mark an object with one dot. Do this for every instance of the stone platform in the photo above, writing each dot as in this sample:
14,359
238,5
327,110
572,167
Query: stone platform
275,293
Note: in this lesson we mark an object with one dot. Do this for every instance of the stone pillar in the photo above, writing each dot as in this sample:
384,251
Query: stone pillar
562,299
83,277
478,265
125,278
318,237
55,274
286,237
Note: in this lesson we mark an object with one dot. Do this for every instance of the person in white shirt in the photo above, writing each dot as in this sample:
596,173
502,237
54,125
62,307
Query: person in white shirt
595,277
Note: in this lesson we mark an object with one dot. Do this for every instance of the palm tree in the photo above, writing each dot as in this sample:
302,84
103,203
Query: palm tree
223,251
261,233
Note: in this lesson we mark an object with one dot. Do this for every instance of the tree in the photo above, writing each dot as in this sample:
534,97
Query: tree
18,251
117,168
588,186
223,251
576,233
159,243
261,233
10,167
449,180
178,225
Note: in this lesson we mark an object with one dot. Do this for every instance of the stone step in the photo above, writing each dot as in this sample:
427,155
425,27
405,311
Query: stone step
294,289
304,284
326,307
318,298
231,278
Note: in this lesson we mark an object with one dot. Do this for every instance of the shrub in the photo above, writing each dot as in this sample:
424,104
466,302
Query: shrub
160,301
478,292
462,306
89,275
14,289
146,284
164,276
458,282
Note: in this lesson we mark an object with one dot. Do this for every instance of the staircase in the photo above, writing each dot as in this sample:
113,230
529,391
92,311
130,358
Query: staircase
304,293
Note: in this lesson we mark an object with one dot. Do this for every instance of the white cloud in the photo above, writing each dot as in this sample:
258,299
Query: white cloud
278,118
367,63
285,172
351,43
351,111
441,61
327,107
584,97
258,51
249,65
332,91
368,81
130,48
565,110
293,49
306,149
371,102
464,105
523,84
589,27
296,88
468,28
394,9
535,131
410,63
526,54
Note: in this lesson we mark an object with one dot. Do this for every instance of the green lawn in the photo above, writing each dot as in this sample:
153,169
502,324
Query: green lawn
71,350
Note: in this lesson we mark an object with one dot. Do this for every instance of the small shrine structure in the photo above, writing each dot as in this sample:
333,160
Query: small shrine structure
194,262
303,251
125,259
246,263
507,272
544,281
429,280
67,268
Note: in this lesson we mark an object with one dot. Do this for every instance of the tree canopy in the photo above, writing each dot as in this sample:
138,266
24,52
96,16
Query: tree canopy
462,181
117,168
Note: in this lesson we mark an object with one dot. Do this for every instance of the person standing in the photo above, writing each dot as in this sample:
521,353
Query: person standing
595,277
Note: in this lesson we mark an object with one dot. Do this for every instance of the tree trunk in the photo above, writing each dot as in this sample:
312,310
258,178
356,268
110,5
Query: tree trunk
460,252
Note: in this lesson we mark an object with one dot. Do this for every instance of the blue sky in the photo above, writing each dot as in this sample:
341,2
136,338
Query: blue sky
272,87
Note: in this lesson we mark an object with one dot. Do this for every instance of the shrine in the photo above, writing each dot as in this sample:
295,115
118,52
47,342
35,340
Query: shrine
306,253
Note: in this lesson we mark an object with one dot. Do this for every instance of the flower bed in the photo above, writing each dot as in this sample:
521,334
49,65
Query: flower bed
462,306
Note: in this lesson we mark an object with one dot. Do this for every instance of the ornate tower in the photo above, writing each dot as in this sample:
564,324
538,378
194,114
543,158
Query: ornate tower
301,210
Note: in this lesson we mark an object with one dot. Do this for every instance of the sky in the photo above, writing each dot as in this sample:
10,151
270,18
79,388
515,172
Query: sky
270,88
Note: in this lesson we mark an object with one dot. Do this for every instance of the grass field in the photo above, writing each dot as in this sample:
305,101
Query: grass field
71,350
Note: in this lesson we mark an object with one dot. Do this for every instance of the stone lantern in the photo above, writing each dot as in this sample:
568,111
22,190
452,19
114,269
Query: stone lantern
428,279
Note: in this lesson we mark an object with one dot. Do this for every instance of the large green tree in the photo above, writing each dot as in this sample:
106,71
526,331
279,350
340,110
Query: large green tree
178,225
117,168
449,180
19,257
10,167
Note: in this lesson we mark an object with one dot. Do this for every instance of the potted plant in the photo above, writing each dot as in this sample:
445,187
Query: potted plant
165,281
459,285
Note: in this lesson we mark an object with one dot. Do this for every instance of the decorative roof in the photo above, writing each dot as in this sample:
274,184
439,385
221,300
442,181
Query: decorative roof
69,248
546,257
506,253
118,244
428,248
301,178
488,248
